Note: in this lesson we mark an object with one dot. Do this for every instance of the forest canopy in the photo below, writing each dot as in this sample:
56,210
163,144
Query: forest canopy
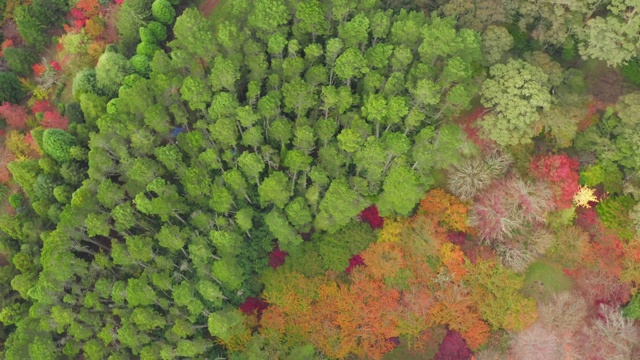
327,178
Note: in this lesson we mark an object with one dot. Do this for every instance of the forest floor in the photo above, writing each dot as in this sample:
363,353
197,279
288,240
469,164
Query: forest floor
207,6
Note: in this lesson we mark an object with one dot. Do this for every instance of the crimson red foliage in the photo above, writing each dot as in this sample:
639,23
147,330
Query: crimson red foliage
78,14
356,260
15,115
587,218
277,257
42,106
371,216
469,124
253,305
453,347
600,287
55,65
119,2
457,237
53,119
78,24
562,171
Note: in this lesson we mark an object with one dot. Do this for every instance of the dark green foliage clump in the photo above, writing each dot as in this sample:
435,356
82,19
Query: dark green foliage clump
10,88
16,200
631,71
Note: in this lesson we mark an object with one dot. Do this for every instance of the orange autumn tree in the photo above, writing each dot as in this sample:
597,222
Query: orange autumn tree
357,318
412,282
446,210
454,307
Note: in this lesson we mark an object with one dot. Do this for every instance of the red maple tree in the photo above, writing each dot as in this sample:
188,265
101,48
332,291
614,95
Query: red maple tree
15,115
53,119
277,257
371,216
562,171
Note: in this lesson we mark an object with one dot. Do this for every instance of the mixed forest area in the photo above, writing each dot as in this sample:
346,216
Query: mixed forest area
320,179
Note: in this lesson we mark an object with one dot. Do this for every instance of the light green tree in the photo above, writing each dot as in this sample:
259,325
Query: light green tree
515,92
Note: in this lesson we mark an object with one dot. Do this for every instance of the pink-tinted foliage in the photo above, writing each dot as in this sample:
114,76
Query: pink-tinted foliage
78,14
536,343
356,260
457,237
10,31
277,257
15,115
53,119
55,65
599,287
42,106
371,216
508,205
562,171
453,347
587,219
469,124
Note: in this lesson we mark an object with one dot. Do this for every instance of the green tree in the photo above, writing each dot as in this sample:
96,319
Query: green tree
10,88
20,60
496,41
278,225
401,191
252,165
163,12
615,38
58,143
132,15
31,28
196,92
267,15
274,190
111,70
516,92
339,205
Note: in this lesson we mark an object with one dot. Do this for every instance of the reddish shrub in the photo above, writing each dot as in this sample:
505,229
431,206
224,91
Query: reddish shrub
78,14
55,65
277,257
562,171
15,115
587,219
453,347
253,306
5,45
371,216
53,119
38,69
356,260
469,124
42,106
457,237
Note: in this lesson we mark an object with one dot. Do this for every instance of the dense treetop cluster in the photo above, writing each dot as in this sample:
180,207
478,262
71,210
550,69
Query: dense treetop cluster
270,185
